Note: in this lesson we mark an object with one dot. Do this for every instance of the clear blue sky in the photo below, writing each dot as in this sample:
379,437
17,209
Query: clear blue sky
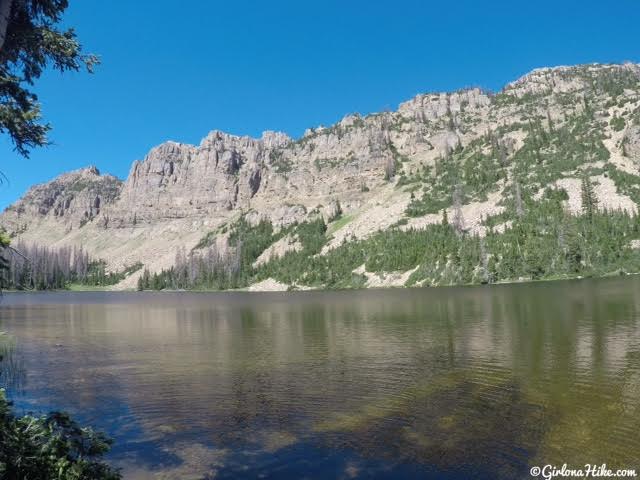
176,70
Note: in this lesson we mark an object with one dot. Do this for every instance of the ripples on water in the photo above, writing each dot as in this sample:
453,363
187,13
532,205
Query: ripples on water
445,383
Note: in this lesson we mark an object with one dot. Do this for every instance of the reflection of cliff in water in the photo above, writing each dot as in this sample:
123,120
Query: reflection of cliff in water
494,378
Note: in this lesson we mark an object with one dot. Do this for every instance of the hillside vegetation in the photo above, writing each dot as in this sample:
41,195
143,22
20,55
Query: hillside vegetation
539,180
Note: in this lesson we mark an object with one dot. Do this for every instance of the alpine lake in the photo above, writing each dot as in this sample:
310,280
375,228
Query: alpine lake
448,383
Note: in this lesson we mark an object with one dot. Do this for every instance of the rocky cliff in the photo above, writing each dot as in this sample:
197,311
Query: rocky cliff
385,170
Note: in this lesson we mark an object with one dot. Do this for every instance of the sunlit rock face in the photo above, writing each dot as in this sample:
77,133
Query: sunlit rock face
631,143
72,200
179,193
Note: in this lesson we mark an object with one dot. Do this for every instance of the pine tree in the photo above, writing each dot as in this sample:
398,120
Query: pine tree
146,279
458,219
484,261
502,155
30,40
589,199
549,121
518,199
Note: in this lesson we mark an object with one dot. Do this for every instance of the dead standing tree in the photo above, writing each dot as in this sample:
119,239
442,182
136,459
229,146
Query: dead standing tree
10,256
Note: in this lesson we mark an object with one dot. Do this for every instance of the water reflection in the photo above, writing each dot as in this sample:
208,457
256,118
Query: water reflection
415,383
11,368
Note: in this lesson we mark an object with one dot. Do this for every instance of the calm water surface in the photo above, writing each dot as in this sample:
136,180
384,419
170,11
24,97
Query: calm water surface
480,382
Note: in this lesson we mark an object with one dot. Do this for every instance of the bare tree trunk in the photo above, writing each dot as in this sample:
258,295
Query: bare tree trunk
5,11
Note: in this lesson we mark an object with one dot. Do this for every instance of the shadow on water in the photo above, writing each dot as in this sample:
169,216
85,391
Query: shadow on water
427,383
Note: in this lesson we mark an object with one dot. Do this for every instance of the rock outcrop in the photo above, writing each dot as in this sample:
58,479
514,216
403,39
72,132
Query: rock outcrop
72,200
180,193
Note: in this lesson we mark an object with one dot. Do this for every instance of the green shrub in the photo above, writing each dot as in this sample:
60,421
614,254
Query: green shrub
50,447
46,447
617,123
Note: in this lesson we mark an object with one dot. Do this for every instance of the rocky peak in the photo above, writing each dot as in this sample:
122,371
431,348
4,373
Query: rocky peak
72,198
350,120
366,164
571,79
433,106
90,170
272,139
177,180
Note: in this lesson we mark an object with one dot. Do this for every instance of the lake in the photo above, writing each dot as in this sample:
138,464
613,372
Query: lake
470,382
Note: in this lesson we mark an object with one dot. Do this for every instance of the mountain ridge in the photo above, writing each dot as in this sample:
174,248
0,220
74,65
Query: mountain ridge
378,170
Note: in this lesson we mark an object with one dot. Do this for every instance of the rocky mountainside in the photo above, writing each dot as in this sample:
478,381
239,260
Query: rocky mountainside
479,160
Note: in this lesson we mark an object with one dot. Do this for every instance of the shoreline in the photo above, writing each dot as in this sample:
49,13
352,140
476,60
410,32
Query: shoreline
109,289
